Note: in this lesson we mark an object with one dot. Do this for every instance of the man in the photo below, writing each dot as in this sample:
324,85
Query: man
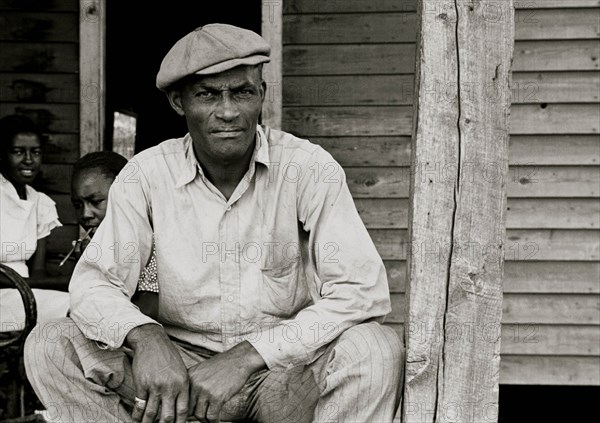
270,287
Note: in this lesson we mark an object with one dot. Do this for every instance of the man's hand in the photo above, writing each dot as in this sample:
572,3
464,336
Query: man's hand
214,381
160,376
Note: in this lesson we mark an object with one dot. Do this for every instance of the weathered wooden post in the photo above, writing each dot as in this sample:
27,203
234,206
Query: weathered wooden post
458,192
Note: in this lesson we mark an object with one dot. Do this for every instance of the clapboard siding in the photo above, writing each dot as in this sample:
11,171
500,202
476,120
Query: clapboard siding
375,27
374,90
527,277
538,150
39,88
39,78
368,6
39,26
348,86
522,213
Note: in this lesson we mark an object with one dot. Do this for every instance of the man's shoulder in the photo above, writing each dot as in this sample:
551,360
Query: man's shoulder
286,147
173,146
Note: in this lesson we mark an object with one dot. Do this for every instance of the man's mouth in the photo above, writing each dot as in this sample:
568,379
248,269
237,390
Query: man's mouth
228,132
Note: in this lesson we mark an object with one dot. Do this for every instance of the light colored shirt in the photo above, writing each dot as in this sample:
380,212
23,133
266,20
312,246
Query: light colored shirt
285,263
22,223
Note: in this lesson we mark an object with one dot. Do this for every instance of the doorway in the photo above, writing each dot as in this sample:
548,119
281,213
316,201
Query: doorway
135,47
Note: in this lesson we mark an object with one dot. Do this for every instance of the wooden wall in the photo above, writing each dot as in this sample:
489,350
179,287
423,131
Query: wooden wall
39,77
348,70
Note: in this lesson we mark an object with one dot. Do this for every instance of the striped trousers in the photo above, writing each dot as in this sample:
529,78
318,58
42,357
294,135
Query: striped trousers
356,380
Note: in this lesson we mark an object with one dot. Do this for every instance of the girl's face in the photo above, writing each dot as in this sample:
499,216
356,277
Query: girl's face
89,195
23,159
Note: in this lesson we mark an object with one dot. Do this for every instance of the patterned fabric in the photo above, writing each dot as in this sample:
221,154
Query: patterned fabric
149,278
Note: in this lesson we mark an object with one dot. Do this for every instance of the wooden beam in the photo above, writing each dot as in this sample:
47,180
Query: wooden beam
92,40
272,31
445,375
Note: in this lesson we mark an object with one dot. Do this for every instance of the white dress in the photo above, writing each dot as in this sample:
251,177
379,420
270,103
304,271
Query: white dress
22,223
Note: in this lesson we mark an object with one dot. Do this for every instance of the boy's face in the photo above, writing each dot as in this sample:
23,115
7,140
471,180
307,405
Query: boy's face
89,195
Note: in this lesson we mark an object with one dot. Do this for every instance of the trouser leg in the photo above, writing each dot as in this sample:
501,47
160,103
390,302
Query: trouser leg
360,376
75,380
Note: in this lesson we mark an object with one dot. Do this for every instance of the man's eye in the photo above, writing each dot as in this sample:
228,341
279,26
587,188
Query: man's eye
204,94
17,152
245,93
96,203
77,206
37,152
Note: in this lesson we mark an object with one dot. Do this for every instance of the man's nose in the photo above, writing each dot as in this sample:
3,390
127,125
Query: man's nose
87,213
28,157
227,108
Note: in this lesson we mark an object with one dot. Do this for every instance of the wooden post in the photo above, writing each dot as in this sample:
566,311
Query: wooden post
272,31
457,215
92,40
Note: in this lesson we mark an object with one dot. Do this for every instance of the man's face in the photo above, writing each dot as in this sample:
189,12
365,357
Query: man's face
222,112
89,195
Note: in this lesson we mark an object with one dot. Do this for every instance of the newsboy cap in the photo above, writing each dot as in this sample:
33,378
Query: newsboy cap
211,49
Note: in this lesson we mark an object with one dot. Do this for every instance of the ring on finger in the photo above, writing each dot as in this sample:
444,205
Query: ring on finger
140,403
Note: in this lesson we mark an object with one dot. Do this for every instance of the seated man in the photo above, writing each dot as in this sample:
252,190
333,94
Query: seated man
271,291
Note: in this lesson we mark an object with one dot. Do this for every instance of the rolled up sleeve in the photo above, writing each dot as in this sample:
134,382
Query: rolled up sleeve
344,267
107,274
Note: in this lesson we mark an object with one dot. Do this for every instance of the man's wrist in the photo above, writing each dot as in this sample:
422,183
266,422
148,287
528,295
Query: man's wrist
252,359
143,334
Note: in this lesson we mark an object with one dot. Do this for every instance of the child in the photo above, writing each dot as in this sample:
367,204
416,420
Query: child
93,174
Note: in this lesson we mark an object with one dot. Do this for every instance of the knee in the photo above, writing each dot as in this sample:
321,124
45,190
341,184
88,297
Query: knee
48,341
379,343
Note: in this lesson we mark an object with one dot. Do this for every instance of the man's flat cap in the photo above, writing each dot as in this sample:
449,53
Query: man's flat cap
211,49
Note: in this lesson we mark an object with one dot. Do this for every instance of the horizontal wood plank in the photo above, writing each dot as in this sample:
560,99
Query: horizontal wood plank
556,55
369,6
41,5
397,120
523,181
522,213
348,121
62,118
367,151
366,59
555,213
551,149
388,90
39,26
521,245
348,59
555,119
534,339
39,57
527,277
537,309
55,179
401,27
534,150
61,148
39,88
549,370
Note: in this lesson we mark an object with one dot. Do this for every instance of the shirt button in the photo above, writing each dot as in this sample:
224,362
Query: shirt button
230,340
230,298
228,208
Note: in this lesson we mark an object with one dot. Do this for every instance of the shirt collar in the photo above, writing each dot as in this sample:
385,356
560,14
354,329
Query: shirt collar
191,166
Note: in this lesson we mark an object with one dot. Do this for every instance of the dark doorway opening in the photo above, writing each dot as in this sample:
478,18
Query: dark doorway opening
138,35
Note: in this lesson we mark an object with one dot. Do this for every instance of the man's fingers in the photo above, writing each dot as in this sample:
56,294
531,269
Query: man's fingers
151,409
200,410
181,406
139,406
167,413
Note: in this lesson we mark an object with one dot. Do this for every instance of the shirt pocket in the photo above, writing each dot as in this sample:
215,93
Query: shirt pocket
282,294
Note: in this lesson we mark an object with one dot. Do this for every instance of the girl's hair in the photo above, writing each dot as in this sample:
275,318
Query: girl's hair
13,125
108,163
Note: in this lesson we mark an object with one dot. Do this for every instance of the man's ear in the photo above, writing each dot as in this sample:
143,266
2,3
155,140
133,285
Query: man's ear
263,85
174,97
